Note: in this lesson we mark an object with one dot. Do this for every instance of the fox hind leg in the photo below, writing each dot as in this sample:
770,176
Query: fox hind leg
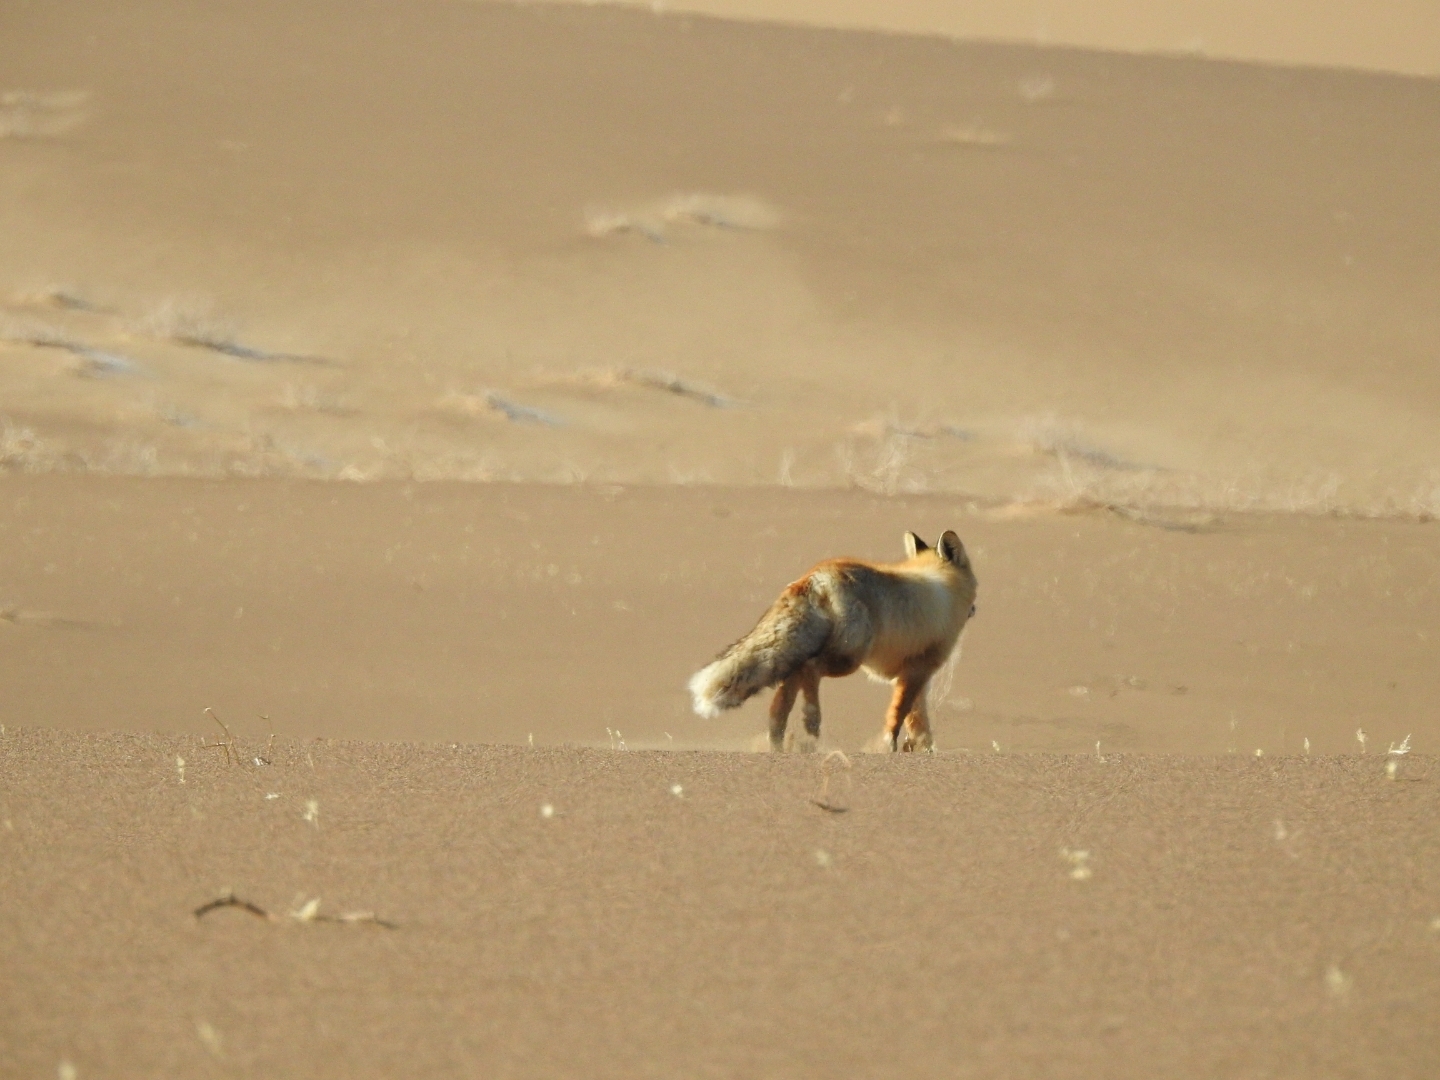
810,688
780,706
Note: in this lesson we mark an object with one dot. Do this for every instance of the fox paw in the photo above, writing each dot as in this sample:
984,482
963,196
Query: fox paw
802,742
916,742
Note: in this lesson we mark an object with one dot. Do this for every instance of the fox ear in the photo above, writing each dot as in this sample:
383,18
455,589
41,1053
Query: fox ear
951,550
914,545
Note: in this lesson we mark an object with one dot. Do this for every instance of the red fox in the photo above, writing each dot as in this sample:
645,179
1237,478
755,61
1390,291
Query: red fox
899,621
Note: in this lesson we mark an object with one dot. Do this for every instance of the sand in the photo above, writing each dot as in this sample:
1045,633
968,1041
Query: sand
570,245
1250,915
964,916
399,402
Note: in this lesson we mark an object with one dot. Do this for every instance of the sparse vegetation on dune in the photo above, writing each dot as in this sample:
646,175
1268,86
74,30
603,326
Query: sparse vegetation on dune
657,220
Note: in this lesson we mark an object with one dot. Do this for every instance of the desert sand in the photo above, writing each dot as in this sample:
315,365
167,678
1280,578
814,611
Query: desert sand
696,914
398,402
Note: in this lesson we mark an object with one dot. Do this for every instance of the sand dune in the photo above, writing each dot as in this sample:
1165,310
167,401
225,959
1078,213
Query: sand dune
1223,273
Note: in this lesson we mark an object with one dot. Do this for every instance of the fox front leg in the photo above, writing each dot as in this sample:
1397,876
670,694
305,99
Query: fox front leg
907,690
917,724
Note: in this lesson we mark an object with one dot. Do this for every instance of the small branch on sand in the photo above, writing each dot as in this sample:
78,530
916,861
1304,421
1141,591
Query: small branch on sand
231,900
307,913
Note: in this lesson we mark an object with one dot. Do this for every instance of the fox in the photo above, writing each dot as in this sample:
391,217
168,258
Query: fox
899,621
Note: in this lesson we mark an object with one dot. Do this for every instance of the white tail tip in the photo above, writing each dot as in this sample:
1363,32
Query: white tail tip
704,691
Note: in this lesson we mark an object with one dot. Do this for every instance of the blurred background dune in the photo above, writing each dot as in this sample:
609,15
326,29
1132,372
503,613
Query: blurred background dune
594,247
565,243
1395,35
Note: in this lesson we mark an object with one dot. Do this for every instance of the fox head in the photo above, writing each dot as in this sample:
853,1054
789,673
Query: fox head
949,549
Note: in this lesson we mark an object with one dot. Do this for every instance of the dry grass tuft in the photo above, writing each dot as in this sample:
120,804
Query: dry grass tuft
670,383
667,382
190,322
1064,441
94,363
654,220
490,403
227,744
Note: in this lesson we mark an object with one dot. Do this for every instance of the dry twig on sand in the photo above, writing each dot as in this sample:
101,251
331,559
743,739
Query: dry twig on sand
308,912
231,900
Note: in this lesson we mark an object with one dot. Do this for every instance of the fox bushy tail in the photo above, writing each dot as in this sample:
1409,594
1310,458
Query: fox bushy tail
793,631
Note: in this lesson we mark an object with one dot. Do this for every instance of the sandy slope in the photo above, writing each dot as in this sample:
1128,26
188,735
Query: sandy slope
1239,918
484,241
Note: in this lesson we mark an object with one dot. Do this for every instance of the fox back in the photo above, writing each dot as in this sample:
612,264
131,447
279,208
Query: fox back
891,617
